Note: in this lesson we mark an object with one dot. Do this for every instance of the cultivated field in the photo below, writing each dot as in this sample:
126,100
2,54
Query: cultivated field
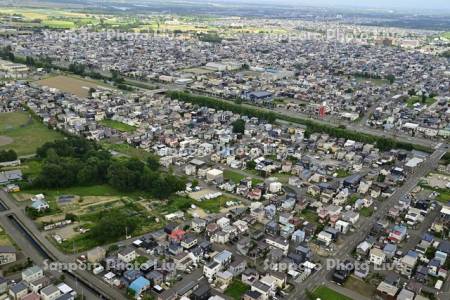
79,87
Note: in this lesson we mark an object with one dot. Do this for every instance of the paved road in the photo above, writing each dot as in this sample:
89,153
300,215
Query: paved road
13,209
365,226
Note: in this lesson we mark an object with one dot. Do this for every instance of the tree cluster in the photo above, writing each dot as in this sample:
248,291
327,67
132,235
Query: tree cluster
76,161
7,155
238,126
222,105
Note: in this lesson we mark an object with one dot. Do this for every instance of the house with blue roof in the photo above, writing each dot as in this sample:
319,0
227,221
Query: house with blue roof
139,285
40,205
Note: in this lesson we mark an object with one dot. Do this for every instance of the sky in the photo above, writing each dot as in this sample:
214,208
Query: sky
387,4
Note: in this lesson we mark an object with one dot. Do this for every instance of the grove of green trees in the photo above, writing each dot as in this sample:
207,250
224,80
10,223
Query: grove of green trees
79,162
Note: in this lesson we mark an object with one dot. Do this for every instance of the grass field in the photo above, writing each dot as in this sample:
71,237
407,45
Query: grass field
59,24
375,81
310,216
82,191
233,176
360,287
126,150
43,14
325,293
341,173
444,196
236,289
446,35
237,177
366,211
183,203
117,125
417,99
26,133
76,86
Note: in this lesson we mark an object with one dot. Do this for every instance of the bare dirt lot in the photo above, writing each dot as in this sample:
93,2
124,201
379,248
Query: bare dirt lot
71,85
5,140
67,232
438,180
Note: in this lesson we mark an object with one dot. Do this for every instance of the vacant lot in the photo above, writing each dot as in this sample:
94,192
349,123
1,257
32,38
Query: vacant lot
416,99
325,293
236,289
117,125
359,286
79,87
20,132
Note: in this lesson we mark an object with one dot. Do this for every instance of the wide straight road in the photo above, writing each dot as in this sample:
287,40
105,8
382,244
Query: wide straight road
13,209
365,226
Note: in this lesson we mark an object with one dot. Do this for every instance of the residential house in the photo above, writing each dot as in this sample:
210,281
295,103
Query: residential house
7,255
50,292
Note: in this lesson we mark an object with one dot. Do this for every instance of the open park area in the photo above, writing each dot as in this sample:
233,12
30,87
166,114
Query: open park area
23,133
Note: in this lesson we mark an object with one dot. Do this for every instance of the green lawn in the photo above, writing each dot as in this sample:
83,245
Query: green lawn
83,191
236,289
446,35
27,133
341,173
310,216
444,196
59,24
360,287
366,211
352,199
233,176
117,125
184,203
237,177
127,149
418,99
213,205
283,177
325,293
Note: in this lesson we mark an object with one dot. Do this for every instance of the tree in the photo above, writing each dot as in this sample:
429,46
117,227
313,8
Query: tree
194,183
148,179
77,68
153,162
121,178
390,78
245,66
424,98
87,175
412,92
251,165
8,155
238,126
91,91
111,226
